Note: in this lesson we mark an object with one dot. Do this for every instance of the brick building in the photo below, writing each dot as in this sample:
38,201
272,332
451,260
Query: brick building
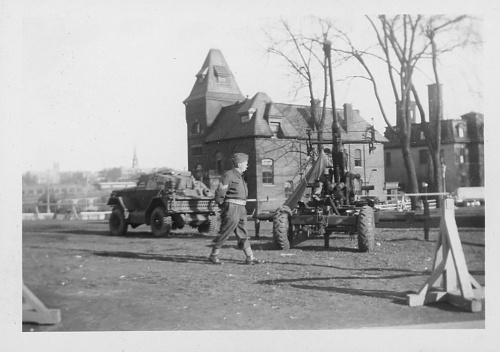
462,151
222,121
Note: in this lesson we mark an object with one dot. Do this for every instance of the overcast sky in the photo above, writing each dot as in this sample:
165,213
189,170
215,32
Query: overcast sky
100,78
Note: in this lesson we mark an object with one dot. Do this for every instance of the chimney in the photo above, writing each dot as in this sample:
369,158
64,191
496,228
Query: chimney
435,106
348,118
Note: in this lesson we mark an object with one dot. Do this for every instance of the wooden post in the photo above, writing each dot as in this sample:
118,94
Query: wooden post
34,311
256,219
426,212
74,214
450,280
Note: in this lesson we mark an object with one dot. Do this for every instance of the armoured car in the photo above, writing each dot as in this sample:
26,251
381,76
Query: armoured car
166,200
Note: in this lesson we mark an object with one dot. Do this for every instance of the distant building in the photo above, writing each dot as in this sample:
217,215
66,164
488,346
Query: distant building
462,151
221,121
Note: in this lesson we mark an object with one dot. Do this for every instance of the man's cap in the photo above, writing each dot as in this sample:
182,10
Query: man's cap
239,158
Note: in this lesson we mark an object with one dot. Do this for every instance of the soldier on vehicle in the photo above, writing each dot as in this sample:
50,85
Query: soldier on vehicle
231,195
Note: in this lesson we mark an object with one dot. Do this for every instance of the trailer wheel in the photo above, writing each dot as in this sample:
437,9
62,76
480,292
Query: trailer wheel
161,223
117,222
281,228
366,229
209,227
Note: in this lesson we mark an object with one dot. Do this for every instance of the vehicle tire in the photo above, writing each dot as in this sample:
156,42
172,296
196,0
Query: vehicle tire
366,229
281,227
161,223
209,227
178,221
117,222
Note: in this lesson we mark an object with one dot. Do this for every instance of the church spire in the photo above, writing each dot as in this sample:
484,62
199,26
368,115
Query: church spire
135,163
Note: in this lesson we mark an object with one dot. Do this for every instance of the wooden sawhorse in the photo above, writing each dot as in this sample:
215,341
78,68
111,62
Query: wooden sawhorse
450,280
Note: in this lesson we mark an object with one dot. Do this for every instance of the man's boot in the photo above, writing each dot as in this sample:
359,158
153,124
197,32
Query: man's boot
214,257
252,260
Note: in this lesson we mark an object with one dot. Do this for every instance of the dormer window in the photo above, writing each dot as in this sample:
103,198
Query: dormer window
461,131
275,128
222,74
202,74
247,116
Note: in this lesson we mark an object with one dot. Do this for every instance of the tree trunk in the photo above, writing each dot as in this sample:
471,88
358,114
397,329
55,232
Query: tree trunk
410,171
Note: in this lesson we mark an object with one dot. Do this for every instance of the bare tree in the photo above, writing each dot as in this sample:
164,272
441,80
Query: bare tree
403,45
399,50
459,32
300,52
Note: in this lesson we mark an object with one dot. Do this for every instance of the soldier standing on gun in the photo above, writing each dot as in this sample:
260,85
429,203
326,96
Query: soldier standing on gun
231,196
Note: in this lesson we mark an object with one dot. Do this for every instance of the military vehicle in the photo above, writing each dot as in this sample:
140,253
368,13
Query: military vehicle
334,202
166,200
319,207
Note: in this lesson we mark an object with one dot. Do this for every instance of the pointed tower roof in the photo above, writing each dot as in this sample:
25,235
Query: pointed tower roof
215,80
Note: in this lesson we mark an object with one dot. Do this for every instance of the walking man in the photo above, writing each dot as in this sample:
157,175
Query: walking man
231,195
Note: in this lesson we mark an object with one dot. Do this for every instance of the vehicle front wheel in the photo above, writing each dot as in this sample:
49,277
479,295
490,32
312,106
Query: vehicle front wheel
281,227
161,223
366,229
117,222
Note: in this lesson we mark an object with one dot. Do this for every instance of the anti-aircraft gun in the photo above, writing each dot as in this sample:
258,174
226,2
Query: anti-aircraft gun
165,200
334,203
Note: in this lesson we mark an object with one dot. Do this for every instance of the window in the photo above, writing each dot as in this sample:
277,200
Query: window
222,74
196,128
461,131
268,171
357,157
196,150
423,156
202,74
462,155
388,161
222,79
422,135
247,116
218,162
288,189
275,127
462,180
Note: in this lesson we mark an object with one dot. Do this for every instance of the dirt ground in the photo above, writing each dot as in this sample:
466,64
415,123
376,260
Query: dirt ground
143,283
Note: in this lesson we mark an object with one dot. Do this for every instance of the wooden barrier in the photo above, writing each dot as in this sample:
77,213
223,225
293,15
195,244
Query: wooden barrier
450,280
34,311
